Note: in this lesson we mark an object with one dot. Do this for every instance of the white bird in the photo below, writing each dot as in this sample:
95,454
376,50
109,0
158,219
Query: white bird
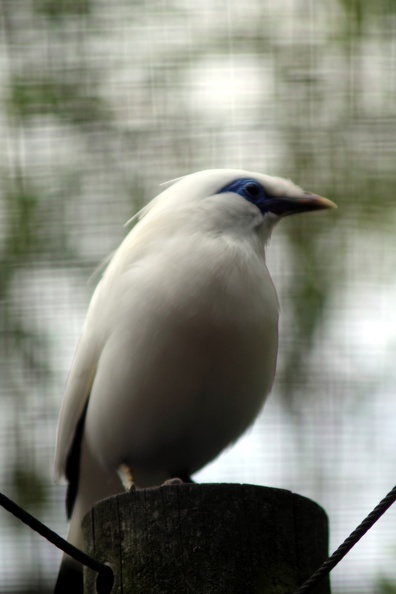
179,347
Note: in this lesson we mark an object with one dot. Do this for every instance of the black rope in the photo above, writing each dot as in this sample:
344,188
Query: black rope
106,575
348,543
104,571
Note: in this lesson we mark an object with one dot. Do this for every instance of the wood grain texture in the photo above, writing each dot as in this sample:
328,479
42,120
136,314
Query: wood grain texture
207,539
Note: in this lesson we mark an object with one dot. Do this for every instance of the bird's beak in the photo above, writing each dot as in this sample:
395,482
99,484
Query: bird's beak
284,206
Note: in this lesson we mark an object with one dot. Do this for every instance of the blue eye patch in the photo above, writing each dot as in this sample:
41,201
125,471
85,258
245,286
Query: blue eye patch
251,190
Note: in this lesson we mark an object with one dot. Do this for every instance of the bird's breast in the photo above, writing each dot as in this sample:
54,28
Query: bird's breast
188,363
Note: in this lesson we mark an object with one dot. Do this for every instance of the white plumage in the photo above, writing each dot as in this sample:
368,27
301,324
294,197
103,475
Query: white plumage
179,347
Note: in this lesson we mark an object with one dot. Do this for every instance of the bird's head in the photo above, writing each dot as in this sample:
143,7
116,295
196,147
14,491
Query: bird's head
230,193
274,195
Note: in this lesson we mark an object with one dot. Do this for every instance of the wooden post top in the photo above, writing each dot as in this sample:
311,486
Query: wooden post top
207,539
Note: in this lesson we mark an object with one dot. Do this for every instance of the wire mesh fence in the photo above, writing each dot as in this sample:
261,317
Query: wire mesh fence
99,103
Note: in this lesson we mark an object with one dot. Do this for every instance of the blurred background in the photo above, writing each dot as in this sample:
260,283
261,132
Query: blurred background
102,101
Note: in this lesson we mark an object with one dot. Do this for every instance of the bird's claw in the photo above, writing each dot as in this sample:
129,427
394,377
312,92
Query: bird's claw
124,471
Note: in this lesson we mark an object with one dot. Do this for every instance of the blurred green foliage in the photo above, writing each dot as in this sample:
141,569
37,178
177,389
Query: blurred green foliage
361,12
31,489
66,8
385,586
335,137
64,100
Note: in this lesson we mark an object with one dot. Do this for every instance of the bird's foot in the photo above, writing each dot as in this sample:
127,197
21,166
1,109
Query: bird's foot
183,479
124,471
173,481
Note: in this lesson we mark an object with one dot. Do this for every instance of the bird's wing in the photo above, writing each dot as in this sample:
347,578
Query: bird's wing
152,226
77,391
82,374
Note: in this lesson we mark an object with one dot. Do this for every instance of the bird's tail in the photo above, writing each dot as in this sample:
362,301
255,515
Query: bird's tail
70,577
94,484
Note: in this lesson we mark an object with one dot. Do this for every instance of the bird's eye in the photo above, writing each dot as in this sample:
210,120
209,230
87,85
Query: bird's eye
248,188
253,189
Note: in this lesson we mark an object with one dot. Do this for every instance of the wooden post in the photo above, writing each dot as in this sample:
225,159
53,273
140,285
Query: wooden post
207,539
